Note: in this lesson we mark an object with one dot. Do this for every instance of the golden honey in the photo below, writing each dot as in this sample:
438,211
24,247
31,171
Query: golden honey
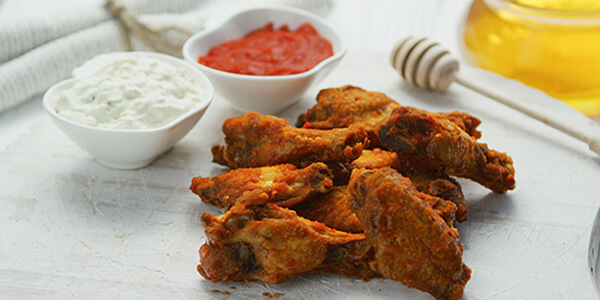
553,45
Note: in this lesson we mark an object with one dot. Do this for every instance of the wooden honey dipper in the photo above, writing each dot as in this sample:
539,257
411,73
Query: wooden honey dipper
426,64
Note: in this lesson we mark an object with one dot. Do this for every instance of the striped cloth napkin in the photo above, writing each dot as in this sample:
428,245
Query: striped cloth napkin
41,41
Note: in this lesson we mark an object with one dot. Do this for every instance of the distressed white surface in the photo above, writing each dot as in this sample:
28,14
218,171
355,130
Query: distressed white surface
73,228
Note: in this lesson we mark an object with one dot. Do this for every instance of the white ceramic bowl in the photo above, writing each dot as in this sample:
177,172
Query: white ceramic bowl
263,94
131,148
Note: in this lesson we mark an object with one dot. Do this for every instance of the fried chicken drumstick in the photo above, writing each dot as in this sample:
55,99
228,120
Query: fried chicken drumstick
412,244
440,145
283,184
254,140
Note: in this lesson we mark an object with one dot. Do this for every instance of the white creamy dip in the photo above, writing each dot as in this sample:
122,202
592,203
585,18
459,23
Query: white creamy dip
133,92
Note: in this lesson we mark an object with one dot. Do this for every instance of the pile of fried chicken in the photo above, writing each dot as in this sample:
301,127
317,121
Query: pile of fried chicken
362,186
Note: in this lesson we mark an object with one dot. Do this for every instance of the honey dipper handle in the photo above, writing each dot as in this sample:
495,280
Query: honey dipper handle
593,141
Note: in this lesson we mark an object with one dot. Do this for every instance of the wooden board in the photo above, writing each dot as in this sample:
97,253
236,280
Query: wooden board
73,228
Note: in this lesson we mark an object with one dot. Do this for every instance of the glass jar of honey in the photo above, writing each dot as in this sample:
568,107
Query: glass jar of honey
552,45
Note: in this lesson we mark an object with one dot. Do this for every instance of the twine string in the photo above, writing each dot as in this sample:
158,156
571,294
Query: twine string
151,37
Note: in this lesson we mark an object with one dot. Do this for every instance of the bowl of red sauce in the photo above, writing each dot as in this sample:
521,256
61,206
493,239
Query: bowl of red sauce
264,59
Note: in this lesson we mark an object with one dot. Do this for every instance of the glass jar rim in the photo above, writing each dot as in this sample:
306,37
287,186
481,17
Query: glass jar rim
555,16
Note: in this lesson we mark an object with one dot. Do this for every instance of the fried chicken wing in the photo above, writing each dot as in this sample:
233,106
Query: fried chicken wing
346,106
313,199
439,145
332,209
273,244
349,105
284,184
412,244
433,183
254,140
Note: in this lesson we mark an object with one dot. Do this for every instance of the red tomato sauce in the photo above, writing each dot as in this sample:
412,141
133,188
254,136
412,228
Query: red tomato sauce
267,51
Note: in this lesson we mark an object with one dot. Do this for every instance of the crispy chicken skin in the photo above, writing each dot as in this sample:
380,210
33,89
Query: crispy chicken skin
284,184
346,106
352,259
332,209
272,244
254,140
377,158
439,145
412,244
349,105
464,121
444,188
